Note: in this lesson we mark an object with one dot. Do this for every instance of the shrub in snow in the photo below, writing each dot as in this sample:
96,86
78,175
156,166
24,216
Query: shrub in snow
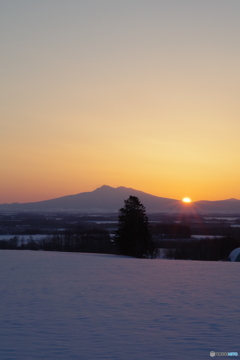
234,255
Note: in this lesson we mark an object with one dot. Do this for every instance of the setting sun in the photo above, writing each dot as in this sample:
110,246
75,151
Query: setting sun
187,200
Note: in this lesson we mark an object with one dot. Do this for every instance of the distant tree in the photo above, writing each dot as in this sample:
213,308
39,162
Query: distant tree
133,237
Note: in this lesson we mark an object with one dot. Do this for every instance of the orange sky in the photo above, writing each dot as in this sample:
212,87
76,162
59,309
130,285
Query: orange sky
142,94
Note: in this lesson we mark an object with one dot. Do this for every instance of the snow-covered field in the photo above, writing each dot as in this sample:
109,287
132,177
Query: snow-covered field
91,306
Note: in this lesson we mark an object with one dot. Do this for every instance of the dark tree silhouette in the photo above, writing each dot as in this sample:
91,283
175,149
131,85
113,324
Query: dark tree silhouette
133,237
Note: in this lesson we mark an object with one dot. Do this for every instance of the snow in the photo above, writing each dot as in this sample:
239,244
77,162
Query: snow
91,306
199,237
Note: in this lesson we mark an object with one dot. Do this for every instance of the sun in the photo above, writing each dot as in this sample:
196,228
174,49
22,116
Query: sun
186,200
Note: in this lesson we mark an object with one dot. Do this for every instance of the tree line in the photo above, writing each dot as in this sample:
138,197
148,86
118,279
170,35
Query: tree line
209,249
133,237
89,240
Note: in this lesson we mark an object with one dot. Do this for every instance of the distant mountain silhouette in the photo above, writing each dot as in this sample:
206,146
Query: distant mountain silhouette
109,199
230,206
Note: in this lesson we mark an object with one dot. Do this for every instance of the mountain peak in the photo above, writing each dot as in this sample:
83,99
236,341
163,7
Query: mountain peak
105,187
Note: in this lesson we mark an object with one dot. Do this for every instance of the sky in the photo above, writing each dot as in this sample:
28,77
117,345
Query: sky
135,93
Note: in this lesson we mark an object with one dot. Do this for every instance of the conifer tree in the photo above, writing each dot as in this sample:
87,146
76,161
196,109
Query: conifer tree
133,237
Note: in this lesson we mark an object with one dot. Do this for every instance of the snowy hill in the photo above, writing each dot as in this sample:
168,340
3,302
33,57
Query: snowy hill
79,306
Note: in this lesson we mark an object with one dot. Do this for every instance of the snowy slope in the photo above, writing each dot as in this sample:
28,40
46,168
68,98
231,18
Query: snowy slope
86,306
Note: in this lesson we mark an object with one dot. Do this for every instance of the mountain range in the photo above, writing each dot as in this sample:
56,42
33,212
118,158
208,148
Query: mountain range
108,199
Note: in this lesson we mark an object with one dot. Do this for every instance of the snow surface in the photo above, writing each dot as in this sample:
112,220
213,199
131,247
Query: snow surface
90,306
199,237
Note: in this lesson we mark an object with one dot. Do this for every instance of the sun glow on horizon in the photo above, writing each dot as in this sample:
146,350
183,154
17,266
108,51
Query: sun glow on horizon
186,200
80,112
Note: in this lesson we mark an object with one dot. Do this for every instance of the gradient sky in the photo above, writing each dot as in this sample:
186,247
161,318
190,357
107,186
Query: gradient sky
135,93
